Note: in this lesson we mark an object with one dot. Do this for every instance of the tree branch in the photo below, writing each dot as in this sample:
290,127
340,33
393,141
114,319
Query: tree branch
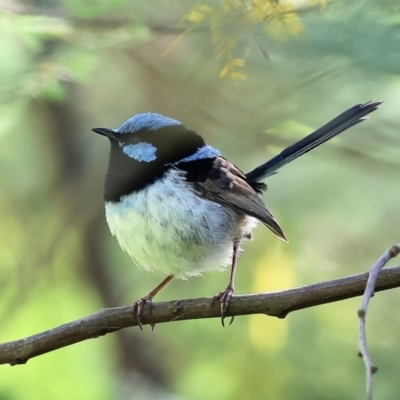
277,304
370,288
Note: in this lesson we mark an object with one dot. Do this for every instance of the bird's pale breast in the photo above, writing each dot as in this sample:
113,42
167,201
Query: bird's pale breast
167,227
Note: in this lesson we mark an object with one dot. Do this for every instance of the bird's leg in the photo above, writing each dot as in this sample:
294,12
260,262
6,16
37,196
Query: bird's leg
225,296
139,304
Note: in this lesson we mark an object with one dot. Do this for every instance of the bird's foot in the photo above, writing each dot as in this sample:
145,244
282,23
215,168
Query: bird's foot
224,298
138,308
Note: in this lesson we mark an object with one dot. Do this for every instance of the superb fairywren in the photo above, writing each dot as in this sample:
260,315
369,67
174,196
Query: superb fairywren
177,206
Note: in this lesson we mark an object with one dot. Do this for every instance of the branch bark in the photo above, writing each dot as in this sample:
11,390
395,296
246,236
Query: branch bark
370,289
277,304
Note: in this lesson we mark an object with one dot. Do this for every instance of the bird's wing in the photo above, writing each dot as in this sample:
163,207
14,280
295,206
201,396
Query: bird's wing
226,184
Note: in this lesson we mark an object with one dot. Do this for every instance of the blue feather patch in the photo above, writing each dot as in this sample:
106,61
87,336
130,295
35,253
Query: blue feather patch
203,152
149,121
140,152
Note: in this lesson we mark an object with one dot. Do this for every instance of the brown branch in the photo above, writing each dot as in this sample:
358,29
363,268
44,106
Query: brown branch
370,288
277,304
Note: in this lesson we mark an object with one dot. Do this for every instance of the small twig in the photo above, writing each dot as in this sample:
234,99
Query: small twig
370,288
277,304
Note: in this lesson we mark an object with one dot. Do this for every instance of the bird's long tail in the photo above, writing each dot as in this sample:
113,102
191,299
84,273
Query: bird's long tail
342,122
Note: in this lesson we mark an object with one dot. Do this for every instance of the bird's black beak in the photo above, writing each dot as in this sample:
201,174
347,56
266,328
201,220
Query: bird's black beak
105,132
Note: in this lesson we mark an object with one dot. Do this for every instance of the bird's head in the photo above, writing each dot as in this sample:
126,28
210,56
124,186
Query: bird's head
143,147
140,136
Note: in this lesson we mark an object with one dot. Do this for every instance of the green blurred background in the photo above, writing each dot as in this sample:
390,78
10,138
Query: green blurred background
67,66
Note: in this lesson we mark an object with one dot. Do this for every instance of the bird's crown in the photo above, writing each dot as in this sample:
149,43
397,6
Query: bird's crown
146,121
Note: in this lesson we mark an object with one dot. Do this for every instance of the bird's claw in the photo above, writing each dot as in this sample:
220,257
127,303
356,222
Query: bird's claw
224,298
138,309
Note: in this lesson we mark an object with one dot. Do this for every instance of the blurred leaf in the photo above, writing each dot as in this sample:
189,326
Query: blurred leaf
231,22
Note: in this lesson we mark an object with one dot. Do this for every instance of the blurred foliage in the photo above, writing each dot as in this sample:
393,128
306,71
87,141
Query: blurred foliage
67,65
233,20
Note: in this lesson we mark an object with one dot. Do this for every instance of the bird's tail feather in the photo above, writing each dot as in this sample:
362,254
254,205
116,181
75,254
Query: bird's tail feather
342,122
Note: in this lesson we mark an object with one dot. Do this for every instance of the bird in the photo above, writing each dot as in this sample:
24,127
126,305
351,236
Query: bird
177,206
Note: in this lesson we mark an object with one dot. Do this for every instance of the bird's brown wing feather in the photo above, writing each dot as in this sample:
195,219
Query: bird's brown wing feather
227,185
